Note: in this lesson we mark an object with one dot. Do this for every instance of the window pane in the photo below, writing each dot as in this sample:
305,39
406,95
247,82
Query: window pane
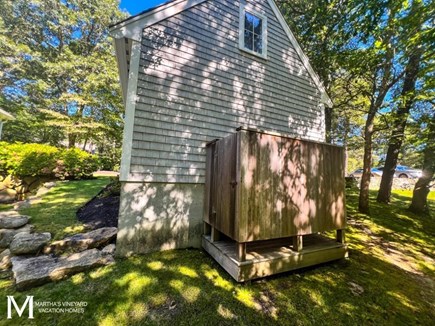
253,34
258,44
249,40
257,25
249,21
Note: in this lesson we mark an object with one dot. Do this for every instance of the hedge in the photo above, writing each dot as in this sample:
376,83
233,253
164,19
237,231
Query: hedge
23,160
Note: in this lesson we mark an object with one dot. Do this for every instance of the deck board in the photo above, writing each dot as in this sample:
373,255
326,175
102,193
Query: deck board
264,258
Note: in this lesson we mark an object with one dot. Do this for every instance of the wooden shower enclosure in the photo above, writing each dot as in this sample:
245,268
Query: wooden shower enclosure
268,198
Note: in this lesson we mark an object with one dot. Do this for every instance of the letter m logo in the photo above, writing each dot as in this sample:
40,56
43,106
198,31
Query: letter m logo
11,301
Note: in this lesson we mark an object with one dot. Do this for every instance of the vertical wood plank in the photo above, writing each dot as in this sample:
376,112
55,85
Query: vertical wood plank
266,186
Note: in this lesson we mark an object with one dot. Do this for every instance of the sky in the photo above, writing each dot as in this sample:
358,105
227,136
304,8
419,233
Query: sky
134,7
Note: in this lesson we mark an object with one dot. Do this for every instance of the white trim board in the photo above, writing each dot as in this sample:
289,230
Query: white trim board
130,107
133,28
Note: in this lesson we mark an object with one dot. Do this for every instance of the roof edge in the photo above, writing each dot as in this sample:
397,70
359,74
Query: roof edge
125,21
132,27
6,115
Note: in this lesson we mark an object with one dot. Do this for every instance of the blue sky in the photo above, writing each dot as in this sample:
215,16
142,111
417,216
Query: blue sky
134,7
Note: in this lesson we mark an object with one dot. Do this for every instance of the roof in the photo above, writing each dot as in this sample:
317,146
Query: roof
6,115
132,27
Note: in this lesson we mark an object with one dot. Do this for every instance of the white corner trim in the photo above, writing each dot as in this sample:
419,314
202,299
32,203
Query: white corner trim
324,96
243,8
121,59
130,107
133,28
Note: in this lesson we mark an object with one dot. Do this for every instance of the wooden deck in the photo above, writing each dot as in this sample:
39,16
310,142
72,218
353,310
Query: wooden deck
264,258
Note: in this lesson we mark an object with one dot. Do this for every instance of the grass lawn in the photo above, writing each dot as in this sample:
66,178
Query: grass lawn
391,260
56,211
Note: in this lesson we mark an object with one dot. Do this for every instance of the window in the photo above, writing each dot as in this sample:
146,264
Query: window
253,32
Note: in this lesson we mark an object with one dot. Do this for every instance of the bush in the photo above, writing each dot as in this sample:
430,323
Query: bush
23,160
111,159
76,164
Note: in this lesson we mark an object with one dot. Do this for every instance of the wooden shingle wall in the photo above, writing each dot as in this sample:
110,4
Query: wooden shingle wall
195,84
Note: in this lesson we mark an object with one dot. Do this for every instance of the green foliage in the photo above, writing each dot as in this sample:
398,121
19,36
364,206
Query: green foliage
23,160
76,164
111,160
58,73
28,159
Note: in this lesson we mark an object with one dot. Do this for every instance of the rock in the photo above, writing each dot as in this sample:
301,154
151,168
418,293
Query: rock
10,221
109,249
83,241
49,184
7,235
7,195
35,271
25,243
23,204
8,182
356,289
5,260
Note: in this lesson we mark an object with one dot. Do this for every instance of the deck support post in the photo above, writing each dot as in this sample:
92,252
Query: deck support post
297,243
207,228
341,236
241,251
215,234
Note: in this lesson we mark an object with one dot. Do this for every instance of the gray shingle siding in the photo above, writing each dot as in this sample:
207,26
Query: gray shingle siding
195,85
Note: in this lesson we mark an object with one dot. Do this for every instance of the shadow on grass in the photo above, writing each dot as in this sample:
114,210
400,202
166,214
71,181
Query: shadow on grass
396,218
188,288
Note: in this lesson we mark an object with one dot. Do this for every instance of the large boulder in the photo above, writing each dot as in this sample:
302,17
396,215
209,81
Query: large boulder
11,220
83,241
7,235
7,195
35,271
29,243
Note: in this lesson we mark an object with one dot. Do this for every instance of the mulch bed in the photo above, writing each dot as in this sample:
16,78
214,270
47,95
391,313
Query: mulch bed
100,211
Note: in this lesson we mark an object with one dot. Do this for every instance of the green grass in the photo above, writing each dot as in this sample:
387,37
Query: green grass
391,258
56,211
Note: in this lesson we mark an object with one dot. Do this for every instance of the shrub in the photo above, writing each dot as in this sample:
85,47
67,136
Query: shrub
111,159
22,160
27,159
76,164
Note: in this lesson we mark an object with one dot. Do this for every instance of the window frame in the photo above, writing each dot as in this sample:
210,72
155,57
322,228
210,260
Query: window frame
243,9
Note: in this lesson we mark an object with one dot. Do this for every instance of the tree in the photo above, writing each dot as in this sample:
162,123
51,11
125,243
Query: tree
382,77
321,28
63,72
416,51
422,187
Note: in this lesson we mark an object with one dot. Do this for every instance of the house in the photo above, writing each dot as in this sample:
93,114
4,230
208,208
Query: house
192,71
4,116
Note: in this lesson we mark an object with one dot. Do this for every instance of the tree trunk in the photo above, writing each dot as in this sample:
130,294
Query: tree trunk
398,132
421,190
422,187
85,143
363,205
72,140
